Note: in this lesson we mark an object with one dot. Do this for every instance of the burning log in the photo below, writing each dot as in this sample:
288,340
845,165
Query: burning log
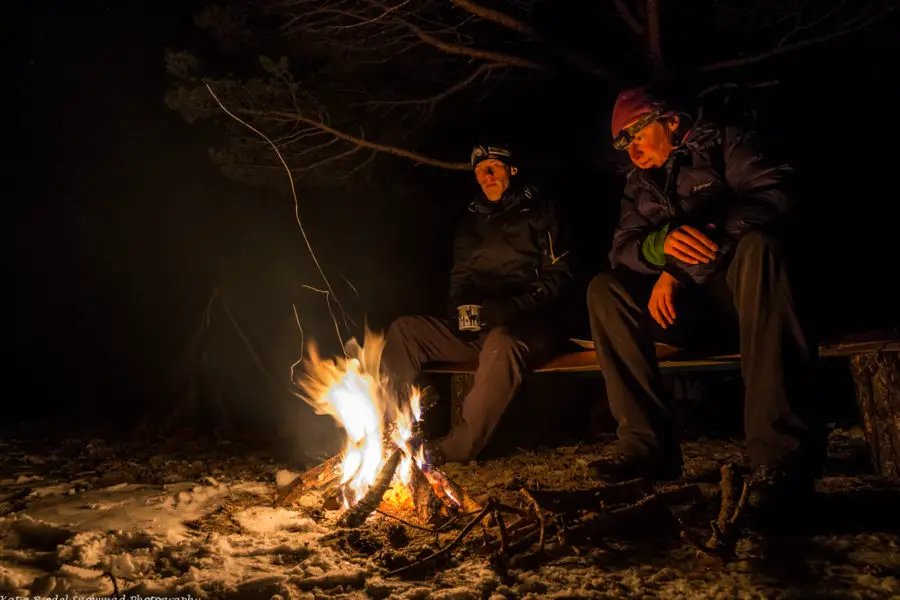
321,476
356,515
429,506
464,501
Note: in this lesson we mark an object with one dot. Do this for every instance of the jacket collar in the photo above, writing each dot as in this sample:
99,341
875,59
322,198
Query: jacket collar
512,197
702,136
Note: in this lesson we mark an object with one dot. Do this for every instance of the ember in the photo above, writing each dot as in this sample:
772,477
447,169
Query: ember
380,466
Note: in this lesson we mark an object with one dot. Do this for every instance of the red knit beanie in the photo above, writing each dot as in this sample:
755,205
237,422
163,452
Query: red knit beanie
631,105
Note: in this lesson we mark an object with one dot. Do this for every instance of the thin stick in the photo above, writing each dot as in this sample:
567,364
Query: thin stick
539,515
501,526
405,522
462,534
745,492
293,194
246,340
114,582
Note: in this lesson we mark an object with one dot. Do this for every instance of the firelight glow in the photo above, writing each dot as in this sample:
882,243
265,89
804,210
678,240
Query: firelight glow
352,391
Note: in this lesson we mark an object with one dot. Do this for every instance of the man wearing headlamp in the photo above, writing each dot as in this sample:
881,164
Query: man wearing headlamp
511,267
697,223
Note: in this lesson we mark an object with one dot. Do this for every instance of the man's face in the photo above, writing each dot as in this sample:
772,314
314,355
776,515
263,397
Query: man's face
494,177
652,145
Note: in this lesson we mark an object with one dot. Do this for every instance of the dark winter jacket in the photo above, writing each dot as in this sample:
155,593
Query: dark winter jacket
510,250
717,180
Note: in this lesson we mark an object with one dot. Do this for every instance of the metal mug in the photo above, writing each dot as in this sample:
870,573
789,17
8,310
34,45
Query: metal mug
469,316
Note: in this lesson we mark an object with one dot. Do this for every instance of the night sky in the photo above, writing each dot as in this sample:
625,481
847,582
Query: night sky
122,226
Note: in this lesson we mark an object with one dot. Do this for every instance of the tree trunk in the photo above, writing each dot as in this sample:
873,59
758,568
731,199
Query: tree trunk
877,377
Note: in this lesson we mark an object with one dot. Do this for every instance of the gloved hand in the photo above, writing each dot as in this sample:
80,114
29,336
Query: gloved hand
496,312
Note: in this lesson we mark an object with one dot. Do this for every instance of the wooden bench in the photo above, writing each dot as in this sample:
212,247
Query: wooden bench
874,362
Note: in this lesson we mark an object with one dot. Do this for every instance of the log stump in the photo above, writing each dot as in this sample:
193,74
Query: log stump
877,378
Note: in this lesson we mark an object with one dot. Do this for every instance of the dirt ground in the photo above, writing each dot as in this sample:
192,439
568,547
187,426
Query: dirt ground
848,546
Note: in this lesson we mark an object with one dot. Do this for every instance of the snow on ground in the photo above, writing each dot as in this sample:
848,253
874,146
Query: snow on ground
195,520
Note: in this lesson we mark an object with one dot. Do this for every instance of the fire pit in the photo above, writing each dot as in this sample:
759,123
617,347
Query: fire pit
382,473
382,468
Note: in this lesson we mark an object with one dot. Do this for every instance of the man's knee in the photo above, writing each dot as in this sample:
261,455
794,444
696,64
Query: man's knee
404,328
600,290
502,341
605,297
756,243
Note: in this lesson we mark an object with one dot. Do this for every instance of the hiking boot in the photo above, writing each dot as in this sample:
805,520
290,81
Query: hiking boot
623,467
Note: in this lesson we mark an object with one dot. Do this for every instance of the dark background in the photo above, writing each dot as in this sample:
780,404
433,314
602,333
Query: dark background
121,226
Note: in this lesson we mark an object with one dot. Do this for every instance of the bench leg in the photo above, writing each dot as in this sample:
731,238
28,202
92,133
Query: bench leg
460,384
877,378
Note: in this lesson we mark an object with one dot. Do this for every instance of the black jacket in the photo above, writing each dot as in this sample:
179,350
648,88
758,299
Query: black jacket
717,180
510,249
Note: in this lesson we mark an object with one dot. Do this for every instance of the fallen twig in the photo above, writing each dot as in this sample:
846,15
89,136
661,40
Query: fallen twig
721,546
501,527
114,582
539,515
462,534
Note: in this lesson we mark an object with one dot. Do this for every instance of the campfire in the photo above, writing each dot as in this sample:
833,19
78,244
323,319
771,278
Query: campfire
382,468
382,472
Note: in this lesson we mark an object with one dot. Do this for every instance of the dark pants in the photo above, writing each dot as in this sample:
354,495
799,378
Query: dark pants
504,354
777,361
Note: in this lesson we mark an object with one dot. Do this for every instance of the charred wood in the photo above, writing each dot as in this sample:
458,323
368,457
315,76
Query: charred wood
321,476
430,508
356,515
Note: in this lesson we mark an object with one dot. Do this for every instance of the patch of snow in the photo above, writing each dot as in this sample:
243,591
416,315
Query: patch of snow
66,537
283,477
263,519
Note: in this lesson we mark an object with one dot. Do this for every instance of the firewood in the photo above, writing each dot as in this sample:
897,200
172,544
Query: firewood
721,546
429,507
538,514
648,511
459,496
356,515
626,492
322,476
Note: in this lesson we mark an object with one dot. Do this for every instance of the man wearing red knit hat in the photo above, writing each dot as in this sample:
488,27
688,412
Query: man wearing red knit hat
696,225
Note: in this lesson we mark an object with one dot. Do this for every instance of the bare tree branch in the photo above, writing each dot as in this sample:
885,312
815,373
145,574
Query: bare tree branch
435,98
654,41
495,16
626,15
513,24
450,48
362,142
855,26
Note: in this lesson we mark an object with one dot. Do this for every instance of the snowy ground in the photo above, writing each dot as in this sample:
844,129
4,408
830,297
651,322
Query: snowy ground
194,520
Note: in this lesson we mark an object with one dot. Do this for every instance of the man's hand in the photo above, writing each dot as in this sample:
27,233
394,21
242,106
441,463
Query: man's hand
690,245
662,300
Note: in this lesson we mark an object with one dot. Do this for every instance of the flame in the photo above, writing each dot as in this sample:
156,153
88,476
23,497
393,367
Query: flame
352,390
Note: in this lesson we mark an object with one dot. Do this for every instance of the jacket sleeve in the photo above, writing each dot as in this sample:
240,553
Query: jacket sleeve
759,196
461,277
760,185
555,271
628,237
